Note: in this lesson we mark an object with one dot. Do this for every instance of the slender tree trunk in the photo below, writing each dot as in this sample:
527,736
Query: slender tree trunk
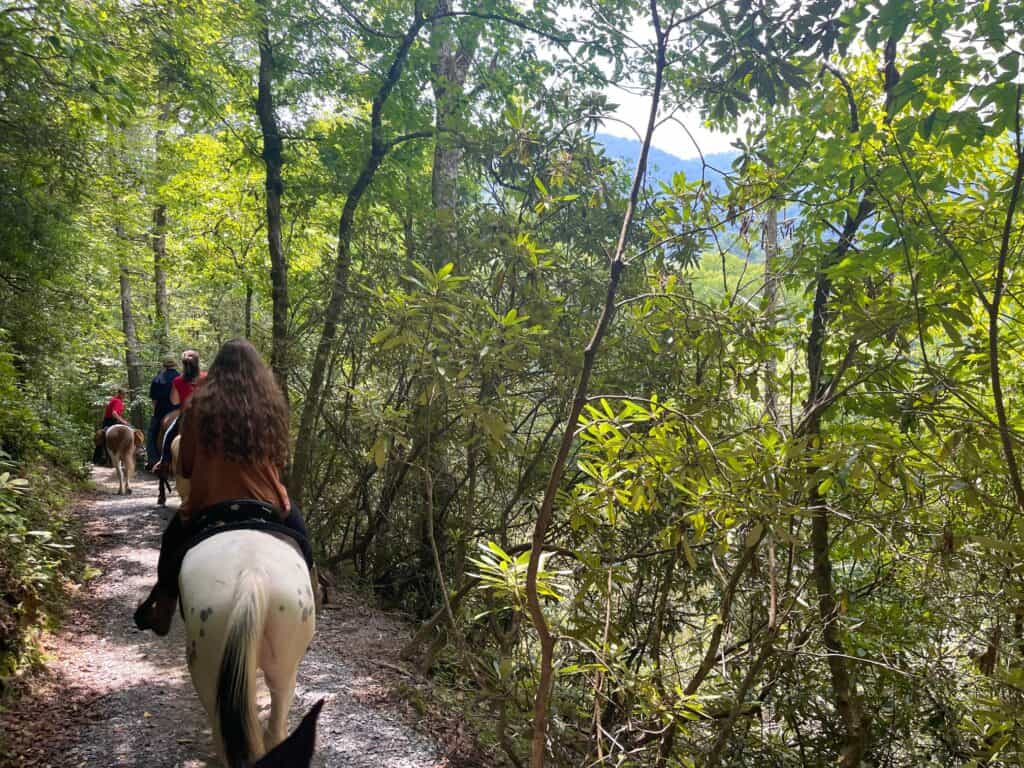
771,305
846,701
131,349
273,161
248,311
449,77
305,449
159,244
994,309
545,637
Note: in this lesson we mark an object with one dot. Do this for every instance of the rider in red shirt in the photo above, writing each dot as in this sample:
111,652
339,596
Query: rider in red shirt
181,390
114,412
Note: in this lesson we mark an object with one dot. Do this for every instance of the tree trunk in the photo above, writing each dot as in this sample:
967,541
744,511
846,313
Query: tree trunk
159,244
771,305
545,515
846,701
449,77
272,159
248,313
305,449
131,349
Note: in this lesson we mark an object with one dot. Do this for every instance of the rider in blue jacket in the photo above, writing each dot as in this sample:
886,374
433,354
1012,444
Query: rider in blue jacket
160,394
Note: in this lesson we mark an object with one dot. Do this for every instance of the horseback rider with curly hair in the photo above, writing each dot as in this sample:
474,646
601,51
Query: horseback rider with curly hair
234,444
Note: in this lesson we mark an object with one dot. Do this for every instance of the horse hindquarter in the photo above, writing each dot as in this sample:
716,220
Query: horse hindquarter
120,443
246,599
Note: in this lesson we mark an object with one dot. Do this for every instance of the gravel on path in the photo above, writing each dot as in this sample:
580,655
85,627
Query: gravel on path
113,696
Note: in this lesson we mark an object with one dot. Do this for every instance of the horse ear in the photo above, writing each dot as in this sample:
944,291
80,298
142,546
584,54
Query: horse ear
297,750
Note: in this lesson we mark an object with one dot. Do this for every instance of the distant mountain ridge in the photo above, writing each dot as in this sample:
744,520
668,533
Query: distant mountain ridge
662,166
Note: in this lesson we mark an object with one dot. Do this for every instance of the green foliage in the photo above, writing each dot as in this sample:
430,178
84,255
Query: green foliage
505,575
686,573
37,542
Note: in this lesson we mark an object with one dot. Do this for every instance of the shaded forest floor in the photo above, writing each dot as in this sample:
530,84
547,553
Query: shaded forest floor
114,696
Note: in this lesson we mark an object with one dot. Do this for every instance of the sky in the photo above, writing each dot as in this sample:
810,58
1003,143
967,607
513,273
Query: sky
669,136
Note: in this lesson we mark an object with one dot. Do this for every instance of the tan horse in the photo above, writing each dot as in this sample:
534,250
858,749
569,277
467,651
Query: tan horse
181,483
122,441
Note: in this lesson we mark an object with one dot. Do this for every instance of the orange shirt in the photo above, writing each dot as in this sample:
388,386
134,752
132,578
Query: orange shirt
216,478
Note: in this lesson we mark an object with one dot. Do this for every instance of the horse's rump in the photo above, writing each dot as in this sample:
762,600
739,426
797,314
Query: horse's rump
247,602
121,441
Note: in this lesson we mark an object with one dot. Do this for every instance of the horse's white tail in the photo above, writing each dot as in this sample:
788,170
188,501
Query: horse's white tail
236,701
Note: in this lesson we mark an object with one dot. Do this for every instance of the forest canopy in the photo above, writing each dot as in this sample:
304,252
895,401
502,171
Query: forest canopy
716,469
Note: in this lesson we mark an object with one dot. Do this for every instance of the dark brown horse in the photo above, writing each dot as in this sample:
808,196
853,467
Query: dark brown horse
164,475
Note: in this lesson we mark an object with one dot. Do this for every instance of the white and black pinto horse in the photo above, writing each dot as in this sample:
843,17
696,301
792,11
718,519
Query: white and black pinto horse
248,603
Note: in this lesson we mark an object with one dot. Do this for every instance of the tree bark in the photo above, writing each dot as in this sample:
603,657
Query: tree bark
158,242
771,305
994,308
163,315
305,449
449,74
449,77
847,702
546,513
248,315
131,349
273,162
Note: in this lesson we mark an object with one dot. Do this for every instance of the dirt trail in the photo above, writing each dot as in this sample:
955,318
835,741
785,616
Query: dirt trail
114,696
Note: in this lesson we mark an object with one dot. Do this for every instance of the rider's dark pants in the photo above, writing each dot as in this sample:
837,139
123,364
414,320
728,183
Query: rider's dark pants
154,430
172,548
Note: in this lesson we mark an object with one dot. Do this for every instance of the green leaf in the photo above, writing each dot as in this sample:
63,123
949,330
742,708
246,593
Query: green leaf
380,451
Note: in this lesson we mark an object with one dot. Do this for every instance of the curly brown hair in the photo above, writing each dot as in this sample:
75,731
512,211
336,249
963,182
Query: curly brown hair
240,408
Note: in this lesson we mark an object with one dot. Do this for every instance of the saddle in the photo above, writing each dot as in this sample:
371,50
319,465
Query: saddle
243,514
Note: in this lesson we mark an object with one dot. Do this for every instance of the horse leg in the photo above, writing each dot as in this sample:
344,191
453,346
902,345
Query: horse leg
129,467
163,485
282,692
116,464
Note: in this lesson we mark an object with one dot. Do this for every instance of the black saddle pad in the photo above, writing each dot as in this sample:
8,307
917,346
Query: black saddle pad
244,514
